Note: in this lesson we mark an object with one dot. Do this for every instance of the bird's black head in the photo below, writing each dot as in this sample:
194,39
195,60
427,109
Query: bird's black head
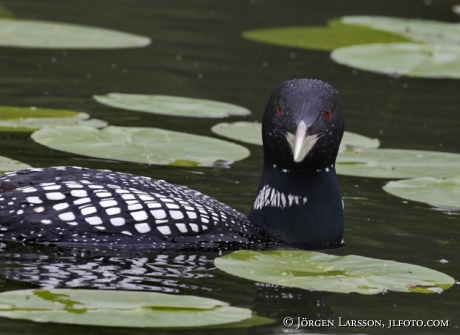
303,125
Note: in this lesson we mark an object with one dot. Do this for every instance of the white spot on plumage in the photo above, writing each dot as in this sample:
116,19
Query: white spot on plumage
95,186
172,206
74,185
326,169
153,205
134,207
113,210
158,214
194,227
182,227
94,220
82,201
192,215
19,212
34,200
72,223
62,205
39,209
128,196
52,187
68,216
29,189
108,203
126,232
103,194
46,221
204,219
121,191
55,196
88,210
146,197
176,215
117,221
142,227
139,216
79,193
164,230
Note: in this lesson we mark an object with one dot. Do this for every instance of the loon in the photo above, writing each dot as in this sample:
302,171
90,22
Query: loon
298,201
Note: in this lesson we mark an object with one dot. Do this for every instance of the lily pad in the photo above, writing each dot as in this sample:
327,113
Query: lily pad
433,191
344,274
141,145
169,105
54,35
29,119
120,308
8,164
251,132
336,35
398,59
426,31
395,164
247,132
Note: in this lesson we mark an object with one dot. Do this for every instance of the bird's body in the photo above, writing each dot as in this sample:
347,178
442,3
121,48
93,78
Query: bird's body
298,200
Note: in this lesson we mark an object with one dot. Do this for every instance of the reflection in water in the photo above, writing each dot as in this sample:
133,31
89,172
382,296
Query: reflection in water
170,272
58,268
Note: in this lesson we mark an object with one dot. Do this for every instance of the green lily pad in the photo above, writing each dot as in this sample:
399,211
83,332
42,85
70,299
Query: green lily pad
120,308
433,191
403,59
357,141
426,31
336,35
168,105
29,119
141,145
396,164
247,132
5,13
8,164
53,35
344,274
251,132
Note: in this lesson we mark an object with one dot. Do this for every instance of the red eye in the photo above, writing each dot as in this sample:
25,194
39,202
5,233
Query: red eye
278,110
327,114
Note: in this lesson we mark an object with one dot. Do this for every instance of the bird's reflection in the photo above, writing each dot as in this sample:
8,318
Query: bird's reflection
71,268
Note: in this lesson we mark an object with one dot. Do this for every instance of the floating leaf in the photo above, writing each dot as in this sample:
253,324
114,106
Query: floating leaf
432,32
335,35
247,132
344,274
393,163
8,164
5,13
53,35
251,132
29,119
433,191
141,145
408,59
357,141
120,308
168,105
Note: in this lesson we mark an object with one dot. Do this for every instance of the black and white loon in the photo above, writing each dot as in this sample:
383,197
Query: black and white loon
298,200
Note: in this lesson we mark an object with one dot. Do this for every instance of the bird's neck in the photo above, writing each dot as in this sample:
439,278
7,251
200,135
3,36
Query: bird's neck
300,207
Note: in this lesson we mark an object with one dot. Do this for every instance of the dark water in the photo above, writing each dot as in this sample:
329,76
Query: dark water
216,63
